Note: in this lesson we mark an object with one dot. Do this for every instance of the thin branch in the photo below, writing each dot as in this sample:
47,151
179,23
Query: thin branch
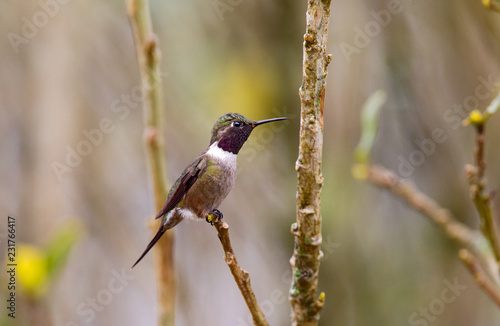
481,279
241,276
419,201
413,197
307,231
148,56
479,151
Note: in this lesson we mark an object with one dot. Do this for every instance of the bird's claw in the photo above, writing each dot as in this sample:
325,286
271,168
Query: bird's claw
214,216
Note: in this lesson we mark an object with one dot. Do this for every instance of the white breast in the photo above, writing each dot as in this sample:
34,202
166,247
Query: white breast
227,163
220,155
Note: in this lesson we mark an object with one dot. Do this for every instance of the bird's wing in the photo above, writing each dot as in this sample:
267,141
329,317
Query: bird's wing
183,183
180,187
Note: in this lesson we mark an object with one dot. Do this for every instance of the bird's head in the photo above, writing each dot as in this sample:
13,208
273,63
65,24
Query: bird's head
232,130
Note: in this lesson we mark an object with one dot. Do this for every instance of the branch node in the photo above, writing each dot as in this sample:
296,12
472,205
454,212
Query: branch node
309,39
320,302
150,45
229,258
151,136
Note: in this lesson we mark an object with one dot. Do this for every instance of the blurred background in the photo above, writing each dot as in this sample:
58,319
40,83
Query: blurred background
73,171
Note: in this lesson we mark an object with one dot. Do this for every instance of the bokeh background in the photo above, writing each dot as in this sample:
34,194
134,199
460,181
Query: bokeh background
383,263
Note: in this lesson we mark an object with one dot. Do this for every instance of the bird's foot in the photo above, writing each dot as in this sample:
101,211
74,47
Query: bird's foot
214,216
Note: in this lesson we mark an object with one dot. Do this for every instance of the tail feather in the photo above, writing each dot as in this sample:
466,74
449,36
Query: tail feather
157,237
171,221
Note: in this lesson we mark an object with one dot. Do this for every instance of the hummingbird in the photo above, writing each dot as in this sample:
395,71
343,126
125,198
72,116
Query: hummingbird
209,178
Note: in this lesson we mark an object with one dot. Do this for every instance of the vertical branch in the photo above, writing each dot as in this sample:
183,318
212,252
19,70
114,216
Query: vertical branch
148,56
307,229
479,194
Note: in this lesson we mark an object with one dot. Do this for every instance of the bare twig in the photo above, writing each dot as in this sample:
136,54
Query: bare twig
475,255
307,230
479,151
480,197
419,201
460,233
241,276
148,58
481,279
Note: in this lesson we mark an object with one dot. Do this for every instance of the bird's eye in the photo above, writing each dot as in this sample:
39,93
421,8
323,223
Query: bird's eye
237,124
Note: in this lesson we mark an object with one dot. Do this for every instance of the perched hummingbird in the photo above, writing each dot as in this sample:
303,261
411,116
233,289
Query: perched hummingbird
205,183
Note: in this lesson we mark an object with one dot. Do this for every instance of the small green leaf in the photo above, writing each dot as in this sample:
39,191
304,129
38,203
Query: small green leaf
494,105
59,246
369,125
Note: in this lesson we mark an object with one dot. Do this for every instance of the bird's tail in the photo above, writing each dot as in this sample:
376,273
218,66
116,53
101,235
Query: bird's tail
169,223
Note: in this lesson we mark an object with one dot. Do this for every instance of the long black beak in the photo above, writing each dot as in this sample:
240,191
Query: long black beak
256,123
